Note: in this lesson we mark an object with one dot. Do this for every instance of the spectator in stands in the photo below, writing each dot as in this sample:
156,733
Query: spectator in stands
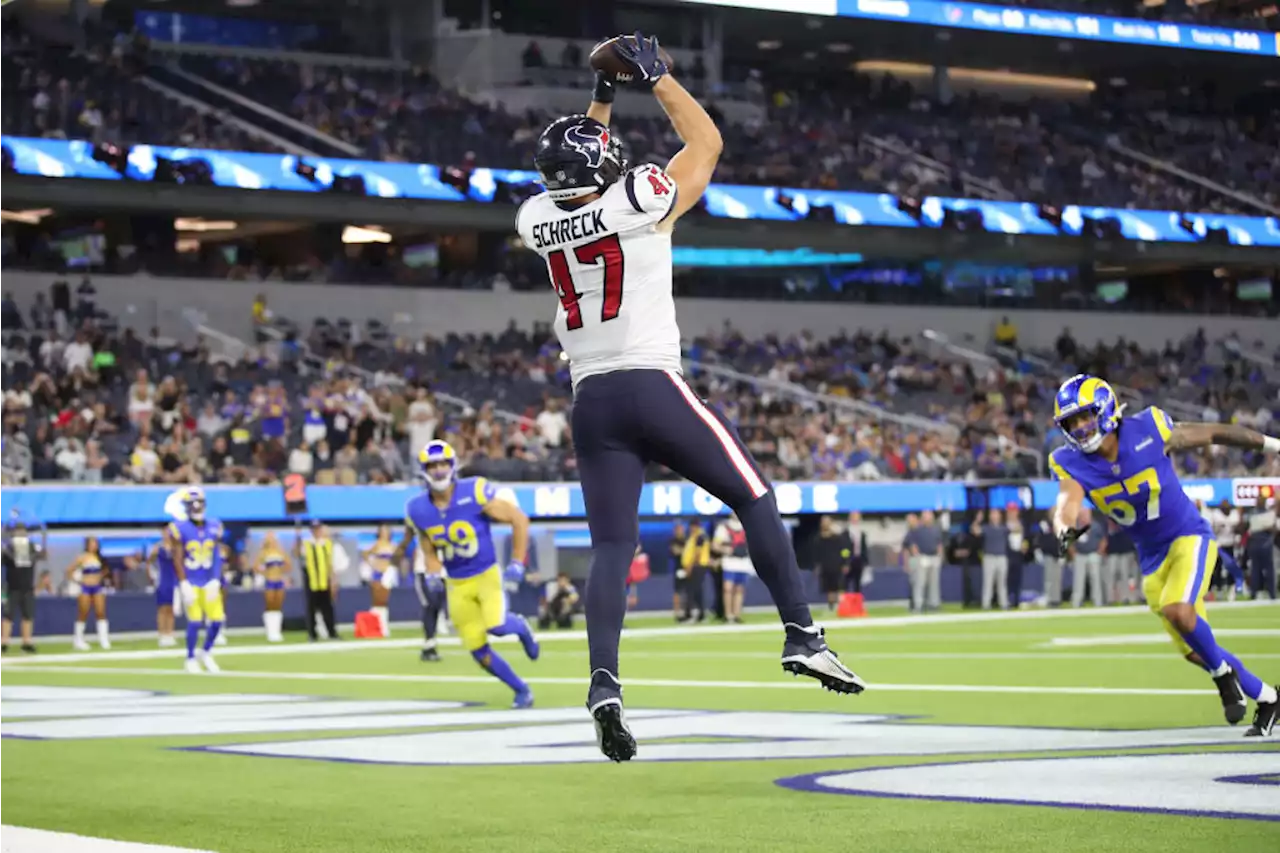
571,56
422,420
144,464
552,423
1006,333
531,57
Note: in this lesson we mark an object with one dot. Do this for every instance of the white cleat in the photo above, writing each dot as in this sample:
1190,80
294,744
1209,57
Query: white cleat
193,666
167,642
105,644
80,646
210,665
222,639
805,653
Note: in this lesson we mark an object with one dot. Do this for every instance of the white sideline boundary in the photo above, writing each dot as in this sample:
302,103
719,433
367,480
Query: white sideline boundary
20,839
914,621
806,684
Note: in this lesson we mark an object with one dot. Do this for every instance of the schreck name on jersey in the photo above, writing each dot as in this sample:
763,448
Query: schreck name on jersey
547,234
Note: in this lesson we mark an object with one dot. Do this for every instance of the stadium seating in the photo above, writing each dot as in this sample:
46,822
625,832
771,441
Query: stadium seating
853,407
873,133
98,94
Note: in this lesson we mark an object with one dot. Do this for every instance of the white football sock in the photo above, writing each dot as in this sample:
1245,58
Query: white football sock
1267,693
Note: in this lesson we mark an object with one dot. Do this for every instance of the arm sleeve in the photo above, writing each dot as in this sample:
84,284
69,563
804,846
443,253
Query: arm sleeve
651,194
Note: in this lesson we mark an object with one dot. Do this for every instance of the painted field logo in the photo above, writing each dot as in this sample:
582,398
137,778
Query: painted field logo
538,736
1217,784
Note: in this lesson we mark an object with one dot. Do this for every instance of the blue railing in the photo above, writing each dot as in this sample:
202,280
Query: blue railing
57,158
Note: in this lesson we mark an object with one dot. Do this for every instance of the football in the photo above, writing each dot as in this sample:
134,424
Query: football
604,59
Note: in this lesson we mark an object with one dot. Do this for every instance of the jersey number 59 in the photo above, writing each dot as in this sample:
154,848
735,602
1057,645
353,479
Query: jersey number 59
607,249
459,540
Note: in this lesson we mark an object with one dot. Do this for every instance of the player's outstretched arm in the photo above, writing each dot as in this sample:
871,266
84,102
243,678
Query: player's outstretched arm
601,108
1066,514
505,512
1191,435
695,163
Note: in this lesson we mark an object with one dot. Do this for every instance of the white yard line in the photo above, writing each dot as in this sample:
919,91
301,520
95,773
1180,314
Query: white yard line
914,621
789,684
1150,639
20,839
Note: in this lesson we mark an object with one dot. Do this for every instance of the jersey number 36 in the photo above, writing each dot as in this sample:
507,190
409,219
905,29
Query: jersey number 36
1122,511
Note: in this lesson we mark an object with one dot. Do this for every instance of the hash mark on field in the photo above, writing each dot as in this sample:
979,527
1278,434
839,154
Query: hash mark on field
631,682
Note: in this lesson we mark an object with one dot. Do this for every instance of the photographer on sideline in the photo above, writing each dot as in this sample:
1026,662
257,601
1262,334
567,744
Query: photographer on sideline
21,554
559,603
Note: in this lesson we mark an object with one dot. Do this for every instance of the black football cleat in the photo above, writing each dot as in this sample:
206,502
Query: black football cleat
1264,719
805,653
604,701
1234,705
430,655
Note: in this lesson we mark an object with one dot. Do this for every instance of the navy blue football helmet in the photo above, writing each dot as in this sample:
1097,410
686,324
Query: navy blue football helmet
578,156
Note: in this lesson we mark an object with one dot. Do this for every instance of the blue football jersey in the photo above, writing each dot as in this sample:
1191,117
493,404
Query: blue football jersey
1140,491
201,546
461,533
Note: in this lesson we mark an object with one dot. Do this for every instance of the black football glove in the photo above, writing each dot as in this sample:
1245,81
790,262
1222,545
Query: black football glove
640,54
1067,538
603,91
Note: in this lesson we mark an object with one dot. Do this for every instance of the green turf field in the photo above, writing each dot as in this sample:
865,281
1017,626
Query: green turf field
734,754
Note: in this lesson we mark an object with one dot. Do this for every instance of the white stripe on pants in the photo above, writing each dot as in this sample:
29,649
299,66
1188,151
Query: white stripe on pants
1087,566
995,579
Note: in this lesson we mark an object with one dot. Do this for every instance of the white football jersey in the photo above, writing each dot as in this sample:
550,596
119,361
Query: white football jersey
611,269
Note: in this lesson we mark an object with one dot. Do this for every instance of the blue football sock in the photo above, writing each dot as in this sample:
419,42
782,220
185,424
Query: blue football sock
211,635
1203,644
193,637
513,625
774,558
1251,684
606,601
493,663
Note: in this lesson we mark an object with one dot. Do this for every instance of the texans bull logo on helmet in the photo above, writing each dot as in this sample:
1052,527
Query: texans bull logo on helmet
591,142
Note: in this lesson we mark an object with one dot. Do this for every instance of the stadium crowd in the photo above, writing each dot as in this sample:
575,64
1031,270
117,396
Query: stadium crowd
86,400
873,133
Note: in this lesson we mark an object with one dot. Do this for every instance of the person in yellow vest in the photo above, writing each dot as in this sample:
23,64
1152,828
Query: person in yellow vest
694,562
316,556
1006,334
261,317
